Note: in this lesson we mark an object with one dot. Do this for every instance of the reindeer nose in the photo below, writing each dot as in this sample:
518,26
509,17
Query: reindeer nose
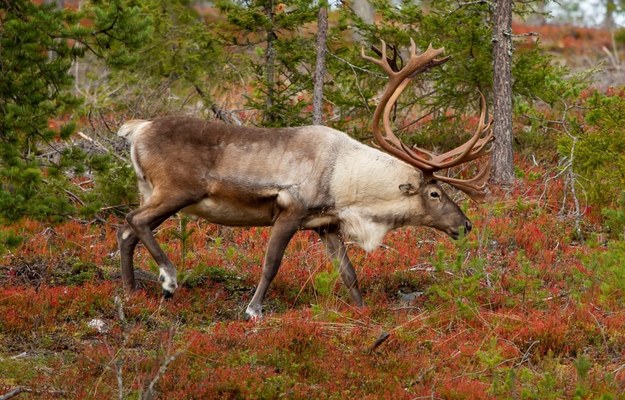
467,226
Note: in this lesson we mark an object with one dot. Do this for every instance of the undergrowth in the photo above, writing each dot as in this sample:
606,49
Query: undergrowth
519,308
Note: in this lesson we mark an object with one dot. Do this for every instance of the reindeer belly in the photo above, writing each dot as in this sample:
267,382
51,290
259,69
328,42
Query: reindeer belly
233,212
320,221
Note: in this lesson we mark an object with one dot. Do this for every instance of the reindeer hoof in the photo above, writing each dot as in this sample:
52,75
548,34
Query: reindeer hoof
169,284
252,318
253,314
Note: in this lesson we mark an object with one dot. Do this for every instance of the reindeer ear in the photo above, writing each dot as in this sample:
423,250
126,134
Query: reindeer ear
408,189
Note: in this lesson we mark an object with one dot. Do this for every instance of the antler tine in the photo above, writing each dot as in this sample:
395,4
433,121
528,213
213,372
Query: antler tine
475,187
474,148
382,62
424,61
391,61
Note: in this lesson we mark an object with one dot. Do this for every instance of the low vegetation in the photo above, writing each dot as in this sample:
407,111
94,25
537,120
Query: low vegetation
520,308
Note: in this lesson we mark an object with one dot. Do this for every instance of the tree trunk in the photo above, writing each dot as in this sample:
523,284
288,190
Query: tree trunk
270,60
320,65
608,22
503,162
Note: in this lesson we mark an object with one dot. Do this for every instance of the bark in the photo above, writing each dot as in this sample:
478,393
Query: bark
503,162
608,22
270,60
320,65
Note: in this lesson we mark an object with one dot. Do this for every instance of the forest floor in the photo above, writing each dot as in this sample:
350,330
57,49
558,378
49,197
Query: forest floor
520,308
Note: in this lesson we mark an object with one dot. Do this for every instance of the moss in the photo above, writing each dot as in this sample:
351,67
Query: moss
24,368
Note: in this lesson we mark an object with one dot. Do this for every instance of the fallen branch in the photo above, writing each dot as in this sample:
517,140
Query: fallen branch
15,392
23,389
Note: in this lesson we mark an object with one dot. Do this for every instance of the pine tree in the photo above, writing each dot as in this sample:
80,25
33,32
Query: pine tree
38,44
284,54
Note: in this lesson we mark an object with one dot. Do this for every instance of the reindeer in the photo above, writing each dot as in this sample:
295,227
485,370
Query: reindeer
304,178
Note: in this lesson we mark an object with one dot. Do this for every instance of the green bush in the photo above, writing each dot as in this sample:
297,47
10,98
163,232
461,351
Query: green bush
40,43
597,143
615,218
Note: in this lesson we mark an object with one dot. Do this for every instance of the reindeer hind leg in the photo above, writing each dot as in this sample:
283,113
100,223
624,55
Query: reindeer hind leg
127,241
142,221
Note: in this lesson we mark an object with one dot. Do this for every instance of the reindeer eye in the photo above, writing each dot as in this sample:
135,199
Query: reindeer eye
435,195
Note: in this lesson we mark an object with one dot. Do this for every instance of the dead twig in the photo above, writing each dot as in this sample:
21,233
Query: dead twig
381,339
150,393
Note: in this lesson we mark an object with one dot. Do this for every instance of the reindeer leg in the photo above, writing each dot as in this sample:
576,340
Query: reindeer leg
127,241
281,233
335,248
142,221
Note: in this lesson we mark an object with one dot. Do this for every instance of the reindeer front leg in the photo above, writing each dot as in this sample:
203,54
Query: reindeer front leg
335,248
281,233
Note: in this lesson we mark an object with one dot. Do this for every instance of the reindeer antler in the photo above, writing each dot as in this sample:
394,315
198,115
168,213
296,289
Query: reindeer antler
427,162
